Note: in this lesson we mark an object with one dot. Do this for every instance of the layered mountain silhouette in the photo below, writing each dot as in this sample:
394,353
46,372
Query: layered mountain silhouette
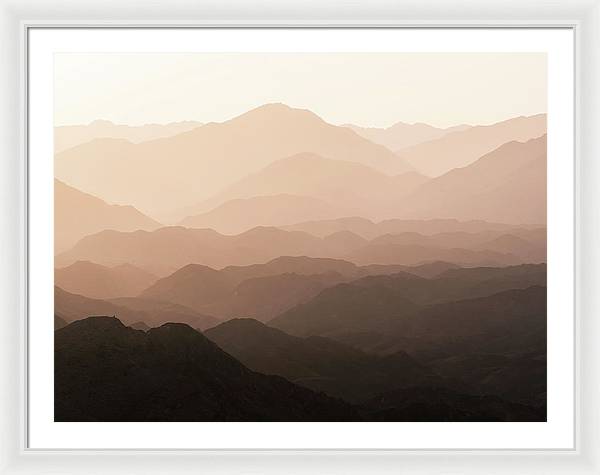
216,293
174,373
67,136
369,229
461,148
494,344
219,153
77,214
350,188
385,303
69,307
395,252
170,373
402,135
239,215
263,291
320,363
101,282
338,273
167,249
286,192
507,185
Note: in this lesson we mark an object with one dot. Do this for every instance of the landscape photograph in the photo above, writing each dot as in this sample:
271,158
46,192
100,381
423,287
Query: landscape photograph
300,237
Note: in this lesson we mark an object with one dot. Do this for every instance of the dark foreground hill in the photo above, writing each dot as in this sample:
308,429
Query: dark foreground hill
105,371
319,363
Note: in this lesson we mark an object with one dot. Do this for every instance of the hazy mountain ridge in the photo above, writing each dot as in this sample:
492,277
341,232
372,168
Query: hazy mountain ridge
506,185
221,153
68,136
461,148
78,214
388,299
69,307
481,190
347,187
241,214
402,135
369,229
96,281
263,291
167,249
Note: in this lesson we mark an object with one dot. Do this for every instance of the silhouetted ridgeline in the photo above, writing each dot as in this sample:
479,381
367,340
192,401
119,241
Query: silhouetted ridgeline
105,371
304,272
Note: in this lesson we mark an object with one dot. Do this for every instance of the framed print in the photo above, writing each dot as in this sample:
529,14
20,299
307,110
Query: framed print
349,241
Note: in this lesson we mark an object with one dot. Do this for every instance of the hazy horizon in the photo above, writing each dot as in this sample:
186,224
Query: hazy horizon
364,89
191,121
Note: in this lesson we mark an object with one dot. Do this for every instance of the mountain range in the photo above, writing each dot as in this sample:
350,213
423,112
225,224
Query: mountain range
219,153
263,291
368,229
463,147
386,303
402,135
478,191
97,281
68,136
69,307
307,271
346,188
174,373
167,249
320,363
507,185
78,214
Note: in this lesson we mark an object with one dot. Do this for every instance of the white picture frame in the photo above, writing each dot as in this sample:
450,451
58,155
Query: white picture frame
17,17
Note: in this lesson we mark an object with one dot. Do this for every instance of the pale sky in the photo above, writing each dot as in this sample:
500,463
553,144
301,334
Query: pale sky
368,89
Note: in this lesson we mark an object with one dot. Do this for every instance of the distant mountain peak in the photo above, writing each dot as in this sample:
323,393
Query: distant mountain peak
278,110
